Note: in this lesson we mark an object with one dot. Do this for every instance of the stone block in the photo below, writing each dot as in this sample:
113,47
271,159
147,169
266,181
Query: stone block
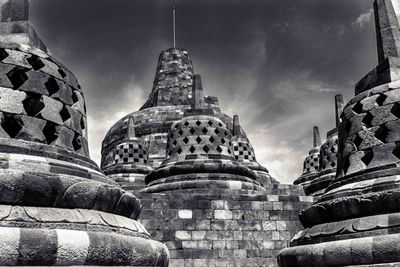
183,235
185,214
223,214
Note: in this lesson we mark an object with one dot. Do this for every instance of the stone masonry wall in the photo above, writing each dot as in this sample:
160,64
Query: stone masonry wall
229,228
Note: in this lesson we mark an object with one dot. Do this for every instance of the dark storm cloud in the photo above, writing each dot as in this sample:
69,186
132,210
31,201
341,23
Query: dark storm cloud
278,63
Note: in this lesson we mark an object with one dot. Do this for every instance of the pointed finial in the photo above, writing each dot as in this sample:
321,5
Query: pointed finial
316,137
236,126
131,128
174,25
338,107
197,93
14,24
387,30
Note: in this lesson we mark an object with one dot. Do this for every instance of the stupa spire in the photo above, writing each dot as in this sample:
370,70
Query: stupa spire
316,137
236,126
338,107
197,93
174,23
14,24
387,30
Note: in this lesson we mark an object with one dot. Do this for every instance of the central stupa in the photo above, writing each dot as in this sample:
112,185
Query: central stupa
180,138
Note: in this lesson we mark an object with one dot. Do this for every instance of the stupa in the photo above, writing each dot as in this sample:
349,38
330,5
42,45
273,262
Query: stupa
356,220
203,192
320,165
56,207
169,133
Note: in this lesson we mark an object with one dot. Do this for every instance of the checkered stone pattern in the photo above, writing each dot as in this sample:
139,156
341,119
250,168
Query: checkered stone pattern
130,152
243,151
328,154
311,163
40,100
199,137
173,80
370,130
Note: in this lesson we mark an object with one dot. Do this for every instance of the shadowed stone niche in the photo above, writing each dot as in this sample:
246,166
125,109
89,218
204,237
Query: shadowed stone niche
56,207
356,220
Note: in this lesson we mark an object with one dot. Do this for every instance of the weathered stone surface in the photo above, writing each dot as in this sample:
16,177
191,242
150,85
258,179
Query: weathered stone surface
57,208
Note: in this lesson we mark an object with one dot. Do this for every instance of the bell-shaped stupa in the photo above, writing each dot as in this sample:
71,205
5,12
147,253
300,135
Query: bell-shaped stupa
56,207
311,162
315,183
356,220
177,94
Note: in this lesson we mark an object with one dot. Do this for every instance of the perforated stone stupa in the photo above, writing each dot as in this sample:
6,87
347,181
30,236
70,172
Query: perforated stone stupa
356,221
321,163
180,131
56,207
203,192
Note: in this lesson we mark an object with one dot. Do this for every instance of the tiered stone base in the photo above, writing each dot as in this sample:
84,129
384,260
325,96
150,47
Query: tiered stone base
224,227
54,236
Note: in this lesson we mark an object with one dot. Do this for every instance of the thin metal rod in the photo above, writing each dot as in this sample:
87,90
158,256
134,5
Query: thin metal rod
173,14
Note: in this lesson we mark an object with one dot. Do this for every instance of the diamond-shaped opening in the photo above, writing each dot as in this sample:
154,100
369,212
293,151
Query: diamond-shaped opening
35,62
83,126
358,140
220,124
12,124
229,151
210,123
396,150
206,149
192,149
198,123
192,131
3,54
396,110
198,139
223,140
380,99
368,156
333,164
50,132
17,76
225,133
205,131
33,104
176,126
382,133
347,126
75,98
175,142
186,140
62,73
180,132
367,120
212,139
77,142
358,108
216,131
52,86
65,114
179,151
219,149
333,149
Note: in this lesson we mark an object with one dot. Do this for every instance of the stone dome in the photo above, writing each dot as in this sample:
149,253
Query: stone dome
50,188
311,162
355,221
200,155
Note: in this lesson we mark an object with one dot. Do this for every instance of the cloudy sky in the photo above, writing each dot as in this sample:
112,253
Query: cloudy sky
277,63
